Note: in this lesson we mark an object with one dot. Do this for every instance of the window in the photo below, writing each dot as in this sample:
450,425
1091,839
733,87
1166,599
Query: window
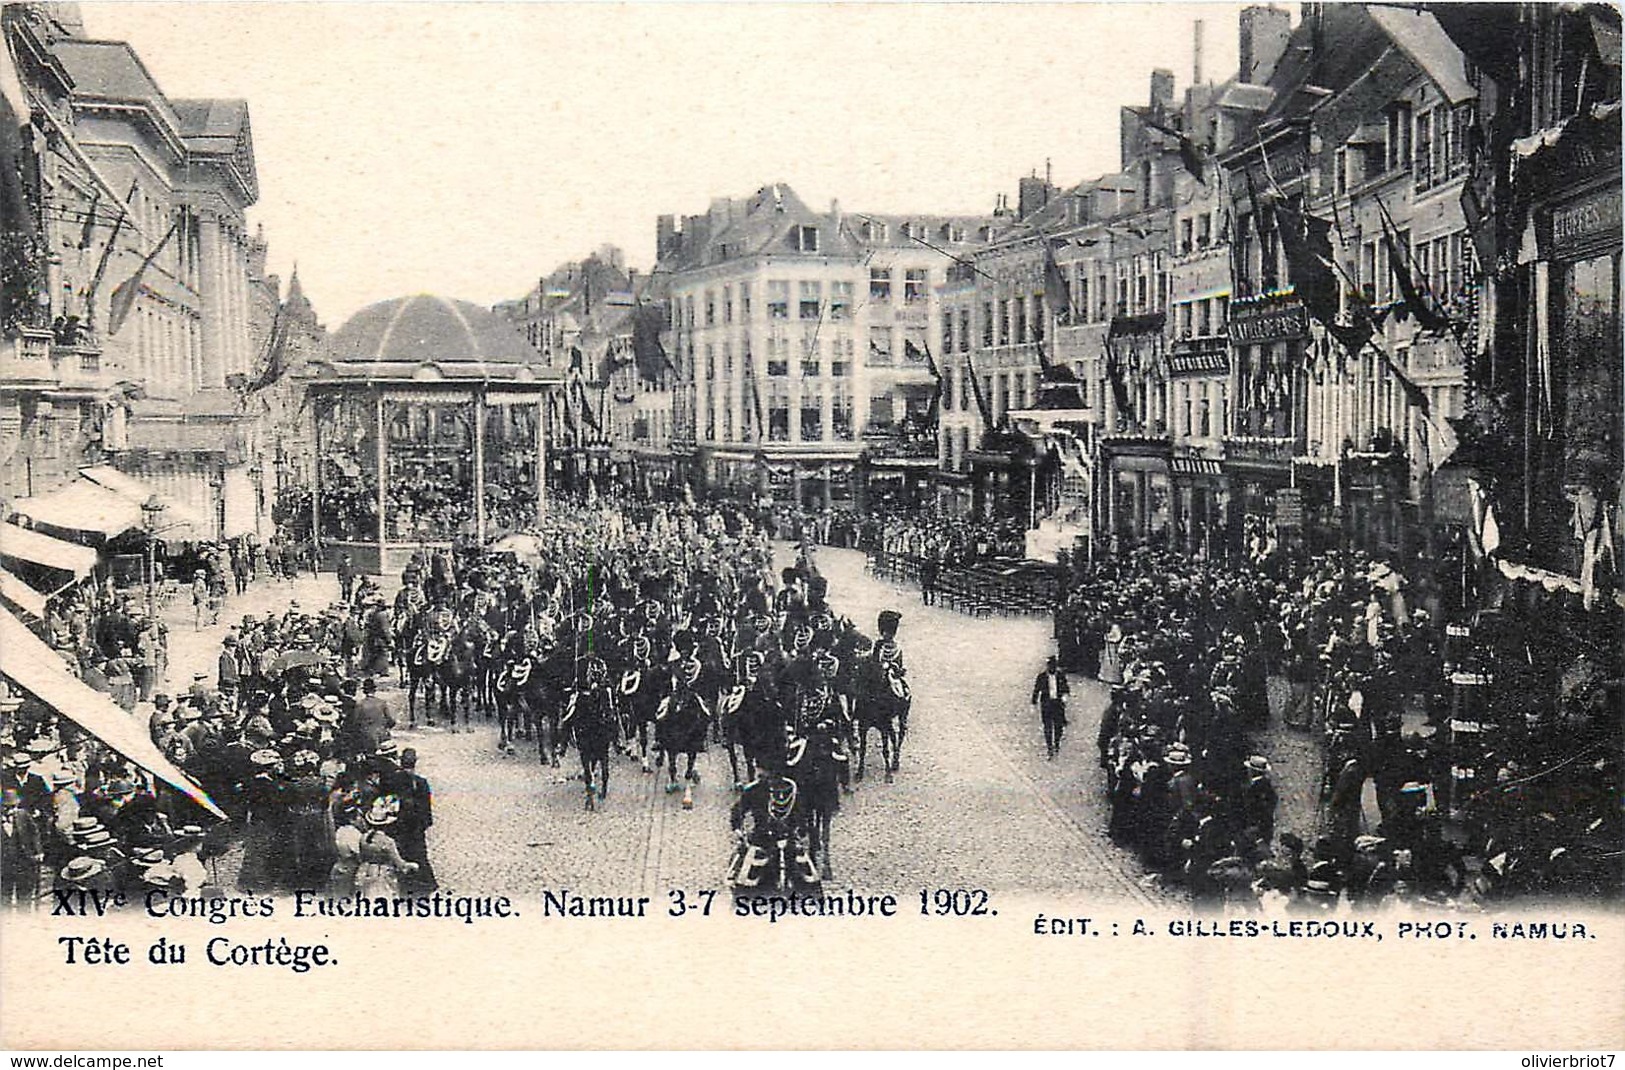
914,343
727,304
840,364
1340,169
874,230
1218,306
744,301
948,331
806,239
840,299
1080,295
812,300
1204,325
880,284
778,359
810,356
778,299
812,418
1368,271
1187,235
1204,230
1461,125
964,330
879,345
1019,306
914,282
778,419
1204,418
987,325
1442,270
1399,136
880,411
710,362
710,308
840,416
1185,319
1003,337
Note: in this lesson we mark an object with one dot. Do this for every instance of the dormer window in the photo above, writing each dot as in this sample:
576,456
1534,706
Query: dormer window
874,230
806,239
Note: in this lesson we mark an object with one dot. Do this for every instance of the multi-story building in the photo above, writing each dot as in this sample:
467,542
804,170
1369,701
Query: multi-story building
806,342
147,264
600,323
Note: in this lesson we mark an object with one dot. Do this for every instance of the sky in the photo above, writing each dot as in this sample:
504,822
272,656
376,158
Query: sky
466,149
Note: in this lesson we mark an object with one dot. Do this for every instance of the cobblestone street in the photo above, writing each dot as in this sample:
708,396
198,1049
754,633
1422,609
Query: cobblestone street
976,803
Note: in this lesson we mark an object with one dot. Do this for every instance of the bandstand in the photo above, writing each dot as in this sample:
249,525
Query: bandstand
428,427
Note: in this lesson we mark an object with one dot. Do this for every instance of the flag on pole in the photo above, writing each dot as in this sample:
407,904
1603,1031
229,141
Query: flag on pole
933,414
1057,294
124,295
89,228
275,353
981,396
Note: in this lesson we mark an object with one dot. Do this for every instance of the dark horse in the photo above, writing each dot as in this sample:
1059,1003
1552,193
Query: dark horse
424,664
817,764
515,682
681,727
460,678
591,723
883,701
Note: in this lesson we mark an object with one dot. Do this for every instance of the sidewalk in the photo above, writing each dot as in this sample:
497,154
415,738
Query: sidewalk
193,651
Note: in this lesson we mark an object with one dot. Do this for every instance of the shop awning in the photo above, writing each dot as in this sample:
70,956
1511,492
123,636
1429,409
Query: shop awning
20,544
21,595
82,506
30,664
134,490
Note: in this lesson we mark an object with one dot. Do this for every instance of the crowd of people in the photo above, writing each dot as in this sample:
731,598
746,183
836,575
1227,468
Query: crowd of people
1201,656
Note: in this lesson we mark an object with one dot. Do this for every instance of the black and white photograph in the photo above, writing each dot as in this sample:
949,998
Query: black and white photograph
921,506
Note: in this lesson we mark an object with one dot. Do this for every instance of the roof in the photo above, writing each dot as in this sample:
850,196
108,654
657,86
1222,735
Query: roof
211,118
134,490
21,544
33,666
426,329
1419,35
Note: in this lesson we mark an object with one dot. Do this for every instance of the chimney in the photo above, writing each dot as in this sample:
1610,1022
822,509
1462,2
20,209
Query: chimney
835,213
1264,34
665,236
1031,195
1196,53
1162,90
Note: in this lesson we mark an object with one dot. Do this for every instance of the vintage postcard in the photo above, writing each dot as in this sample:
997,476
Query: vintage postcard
825,525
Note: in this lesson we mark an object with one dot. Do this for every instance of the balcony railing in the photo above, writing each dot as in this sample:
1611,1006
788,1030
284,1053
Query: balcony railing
1269,449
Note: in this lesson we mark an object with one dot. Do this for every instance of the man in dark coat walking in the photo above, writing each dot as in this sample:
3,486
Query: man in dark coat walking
1050,689
412,826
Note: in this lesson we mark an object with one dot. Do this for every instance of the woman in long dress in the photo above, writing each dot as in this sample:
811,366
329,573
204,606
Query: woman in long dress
347,854
381,862
1111,656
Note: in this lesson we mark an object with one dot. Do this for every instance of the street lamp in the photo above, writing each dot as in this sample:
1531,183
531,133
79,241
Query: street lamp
150,510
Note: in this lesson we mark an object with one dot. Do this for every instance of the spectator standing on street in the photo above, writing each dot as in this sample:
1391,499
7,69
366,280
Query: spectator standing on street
200,598
346,572
412,826
1050,689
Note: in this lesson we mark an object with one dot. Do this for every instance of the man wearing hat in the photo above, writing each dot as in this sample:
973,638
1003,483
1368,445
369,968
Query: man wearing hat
1050,689
370,723
22,849
229,674
1259,799
33,792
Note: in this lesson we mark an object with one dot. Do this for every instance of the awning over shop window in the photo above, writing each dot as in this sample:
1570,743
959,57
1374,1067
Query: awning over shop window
82,506
134,490
21,595
20,544
30,664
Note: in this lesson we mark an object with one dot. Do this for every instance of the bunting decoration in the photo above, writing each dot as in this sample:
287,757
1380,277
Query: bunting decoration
982,405
1057,293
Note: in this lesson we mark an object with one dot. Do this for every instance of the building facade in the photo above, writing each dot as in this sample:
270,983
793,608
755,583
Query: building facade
806,343
146,267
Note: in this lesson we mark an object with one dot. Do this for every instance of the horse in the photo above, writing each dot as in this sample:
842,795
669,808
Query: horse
459,679
817,763
515,680
591,723
882,704
680,728
640,699
423,670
